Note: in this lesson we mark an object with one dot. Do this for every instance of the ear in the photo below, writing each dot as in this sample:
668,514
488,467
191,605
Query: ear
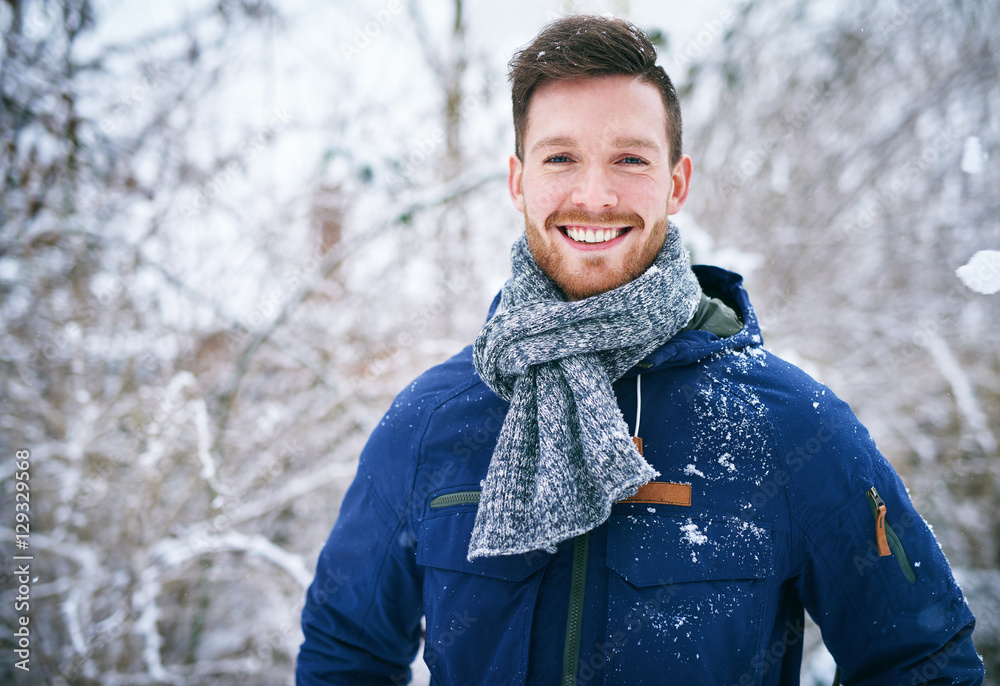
682,183
514,183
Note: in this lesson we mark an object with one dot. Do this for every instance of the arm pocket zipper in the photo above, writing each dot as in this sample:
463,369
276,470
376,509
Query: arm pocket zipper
457,498
886,538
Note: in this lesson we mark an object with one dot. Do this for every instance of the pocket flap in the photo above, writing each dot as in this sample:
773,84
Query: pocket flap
443,542
650,550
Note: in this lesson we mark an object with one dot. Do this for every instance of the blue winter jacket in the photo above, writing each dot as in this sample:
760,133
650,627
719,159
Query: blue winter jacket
772,499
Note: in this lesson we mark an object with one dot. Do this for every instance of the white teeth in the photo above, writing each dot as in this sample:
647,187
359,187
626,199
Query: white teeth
591,236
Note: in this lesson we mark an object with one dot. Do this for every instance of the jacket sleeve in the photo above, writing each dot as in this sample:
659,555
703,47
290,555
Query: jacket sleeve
362,612
884,597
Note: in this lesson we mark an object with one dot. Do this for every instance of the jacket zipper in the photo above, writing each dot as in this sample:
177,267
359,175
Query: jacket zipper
574,618
886,538
456,498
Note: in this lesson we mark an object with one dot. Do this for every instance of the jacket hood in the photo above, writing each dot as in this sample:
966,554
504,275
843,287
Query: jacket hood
688,347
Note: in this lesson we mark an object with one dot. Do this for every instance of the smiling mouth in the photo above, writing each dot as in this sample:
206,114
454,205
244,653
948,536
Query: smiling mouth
581,234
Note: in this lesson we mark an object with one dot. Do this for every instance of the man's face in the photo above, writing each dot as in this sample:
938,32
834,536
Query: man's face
596,186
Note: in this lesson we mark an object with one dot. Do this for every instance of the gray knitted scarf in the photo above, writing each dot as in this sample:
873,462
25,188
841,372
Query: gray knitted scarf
564,455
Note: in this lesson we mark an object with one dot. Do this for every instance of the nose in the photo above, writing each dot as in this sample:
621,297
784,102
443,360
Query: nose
594,189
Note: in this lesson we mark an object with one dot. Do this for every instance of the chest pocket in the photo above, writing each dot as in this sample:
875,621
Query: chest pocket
686,599
478,613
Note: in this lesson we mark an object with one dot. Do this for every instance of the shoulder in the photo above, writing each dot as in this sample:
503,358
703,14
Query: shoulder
392,453
435,387
797,405
823,454
413,408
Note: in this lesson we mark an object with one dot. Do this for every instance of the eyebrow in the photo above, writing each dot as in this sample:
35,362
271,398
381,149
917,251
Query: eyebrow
623,142
554,142
646,143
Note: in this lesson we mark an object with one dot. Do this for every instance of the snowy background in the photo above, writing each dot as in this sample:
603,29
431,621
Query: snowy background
231,231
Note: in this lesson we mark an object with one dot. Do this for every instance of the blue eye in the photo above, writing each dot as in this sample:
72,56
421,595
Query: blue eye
557,159
633,160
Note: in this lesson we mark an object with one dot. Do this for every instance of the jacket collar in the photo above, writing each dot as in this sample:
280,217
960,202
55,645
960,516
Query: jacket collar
688,347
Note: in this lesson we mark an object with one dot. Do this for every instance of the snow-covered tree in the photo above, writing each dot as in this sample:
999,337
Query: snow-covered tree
221,254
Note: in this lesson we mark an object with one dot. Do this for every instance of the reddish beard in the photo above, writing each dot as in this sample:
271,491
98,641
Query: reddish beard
595,275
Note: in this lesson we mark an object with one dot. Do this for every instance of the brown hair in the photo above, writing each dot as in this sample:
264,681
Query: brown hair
580,46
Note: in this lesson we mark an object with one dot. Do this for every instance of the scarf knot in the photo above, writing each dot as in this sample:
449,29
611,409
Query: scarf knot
564,455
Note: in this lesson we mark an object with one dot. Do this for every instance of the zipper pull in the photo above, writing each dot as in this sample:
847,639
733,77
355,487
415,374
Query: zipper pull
880,537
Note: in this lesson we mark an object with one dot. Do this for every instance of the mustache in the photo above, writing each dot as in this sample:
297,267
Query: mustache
608,220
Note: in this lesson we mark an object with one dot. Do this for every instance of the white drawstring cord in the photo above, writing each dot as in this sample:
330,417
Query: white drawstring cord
638,402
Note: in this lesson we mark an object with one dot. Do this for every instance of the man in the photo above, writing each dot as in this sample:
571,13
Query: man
617,484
